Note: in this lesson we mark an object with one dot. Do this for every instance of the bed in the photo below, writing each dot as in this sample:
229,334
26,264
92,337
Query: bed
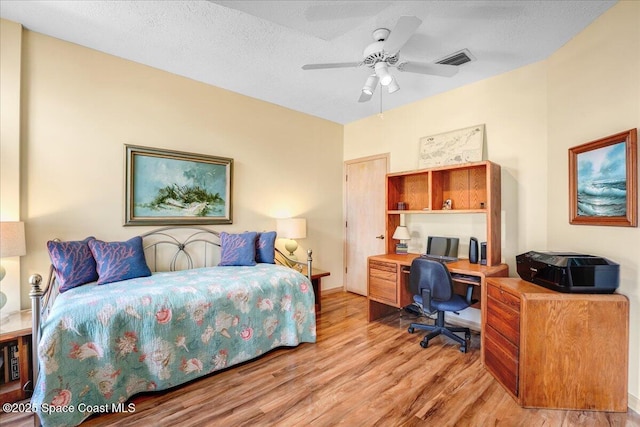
98,344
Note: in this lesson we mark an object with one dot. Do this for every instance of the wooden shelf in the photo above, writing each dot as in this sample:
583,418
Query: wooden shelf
472,188
439,211
16,331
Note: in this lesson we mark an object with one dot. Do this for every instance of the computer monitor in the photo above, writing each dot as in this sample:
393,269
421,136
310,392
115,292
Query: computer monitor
442,246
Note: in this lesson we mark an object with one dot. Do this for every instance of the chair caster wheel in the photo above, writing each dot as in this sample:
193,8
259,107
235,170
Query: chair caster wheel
424,344
411,330
463,349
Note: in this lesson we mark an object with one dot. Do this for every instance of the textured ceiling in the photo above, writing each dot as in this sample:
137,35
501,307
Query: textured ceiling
257,48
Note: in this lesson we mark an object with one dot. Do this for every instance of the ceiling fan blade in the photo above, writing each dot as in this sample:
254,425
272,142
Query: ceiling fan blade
331,65
431,69
402,32
365,97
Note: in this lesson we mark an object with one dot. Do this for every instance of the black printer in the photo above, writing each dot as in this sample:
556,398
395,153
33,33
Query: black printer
569,272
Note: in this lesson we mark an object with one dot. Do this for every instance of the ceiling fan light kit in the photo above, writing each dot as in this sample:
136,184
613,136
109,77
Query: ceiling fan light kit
383,73
393,86
384,52
370,85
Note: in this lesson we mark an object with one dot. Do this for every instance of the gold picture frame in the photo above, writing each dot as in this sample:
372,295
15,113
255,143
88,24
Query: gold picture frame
603,181
165,187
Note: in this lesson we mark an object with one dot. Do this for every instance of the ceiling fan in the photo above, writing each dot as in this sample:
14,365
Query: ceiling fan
385,53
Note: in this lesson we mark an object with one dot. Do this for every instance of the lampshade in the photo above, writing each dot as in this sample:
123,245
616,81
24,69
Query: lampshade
292,228
383,73
393,86
12,241
401,233
370,85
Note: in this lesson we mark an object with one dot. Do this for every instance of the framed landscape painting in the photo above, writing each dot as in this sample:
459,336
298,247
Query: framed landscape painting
166,187
603,181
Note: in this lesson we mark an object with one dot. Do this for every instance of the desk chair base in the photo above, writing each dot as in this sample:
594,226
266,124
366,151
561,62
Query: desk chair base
440,329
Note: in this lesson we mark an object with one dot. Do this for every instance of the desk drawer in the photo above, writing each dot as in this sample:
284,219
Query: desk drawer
497,338
512,301
382,282
384,290
500,363
383,274
503,318
384,266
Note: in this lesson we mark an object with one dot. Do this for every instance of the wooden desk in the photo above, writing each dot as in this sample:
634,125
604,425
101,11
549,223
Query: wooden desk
316,281
557,350
15,333
388,281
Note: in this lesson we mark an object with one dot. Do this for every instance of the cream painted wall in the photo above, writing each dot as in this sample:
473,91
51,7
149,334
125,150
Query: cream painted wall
79,108
10,45
588,89
594,91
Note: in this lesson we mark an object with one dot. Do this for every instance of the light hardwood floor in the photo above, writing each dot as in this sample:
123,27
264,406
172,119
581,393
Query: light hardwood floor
357,374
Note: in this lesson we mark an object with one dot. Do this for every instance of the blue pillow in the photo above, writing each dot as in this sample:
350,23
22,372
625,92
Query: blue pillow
117,261
73,263
265,247
238,249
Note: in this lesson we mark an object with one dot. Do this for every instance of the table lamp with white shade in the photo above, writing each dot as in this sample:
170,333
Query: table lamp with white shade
291,229
12,244
402,234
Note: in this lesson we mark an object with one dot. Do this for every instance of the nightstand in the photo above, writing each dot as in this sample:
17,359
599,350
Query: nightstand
15,350
316,278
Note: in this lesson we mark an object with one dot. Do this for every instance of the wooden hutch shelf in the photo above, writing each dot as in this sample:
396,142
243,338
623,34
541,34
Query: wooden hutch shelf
471,187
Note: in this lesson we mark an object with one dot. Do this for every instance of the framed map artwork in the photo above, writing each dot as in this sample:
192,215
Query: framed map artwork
452,148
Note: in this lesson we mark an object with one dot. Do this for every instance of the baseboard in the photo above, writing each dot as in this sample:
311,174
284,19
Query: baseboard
634,403
332,290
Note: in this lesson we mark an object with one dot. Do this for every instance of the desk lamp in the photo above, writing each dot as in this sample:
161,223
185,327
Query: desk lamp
12,244
291,228
402,234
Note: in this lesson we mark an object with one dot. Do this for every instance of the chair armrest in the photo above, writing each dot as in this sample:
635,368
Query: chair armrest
469,294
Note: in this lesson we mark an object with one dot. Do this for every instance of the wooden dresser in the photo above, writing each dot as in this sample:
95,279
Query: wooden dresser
556,350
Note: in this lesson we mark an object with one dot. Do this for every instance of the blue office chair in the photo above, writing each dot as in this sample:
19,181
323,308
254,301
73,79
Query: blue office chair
432,287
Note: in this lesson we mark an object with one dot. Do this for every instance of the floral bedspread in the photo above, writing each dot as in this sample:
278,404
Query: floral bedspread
102,344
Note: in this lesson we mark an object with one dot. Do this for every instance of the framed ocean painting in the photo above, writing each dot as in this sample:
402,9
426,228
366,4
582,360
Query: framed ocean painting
603,181
165,187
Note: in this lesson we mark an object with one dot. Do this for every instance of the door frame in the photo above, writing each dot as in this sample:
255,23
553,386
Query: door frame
387,158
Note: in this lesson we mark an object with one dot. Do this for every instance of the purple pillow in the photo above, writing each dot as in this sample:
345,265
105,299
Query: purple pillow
117,261
238,249
73,263
265,247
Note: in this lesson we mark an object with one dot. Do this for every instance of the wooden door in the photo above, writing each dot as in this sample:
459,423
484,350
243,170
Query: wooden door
365,217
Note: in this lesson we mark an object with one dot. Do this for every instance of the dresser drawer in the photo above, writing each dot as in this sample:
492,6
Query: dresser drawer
504,319
500,363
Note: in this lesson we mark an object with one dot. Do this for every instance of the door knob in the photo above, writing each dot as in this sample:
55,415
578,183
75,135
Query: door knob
381,237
